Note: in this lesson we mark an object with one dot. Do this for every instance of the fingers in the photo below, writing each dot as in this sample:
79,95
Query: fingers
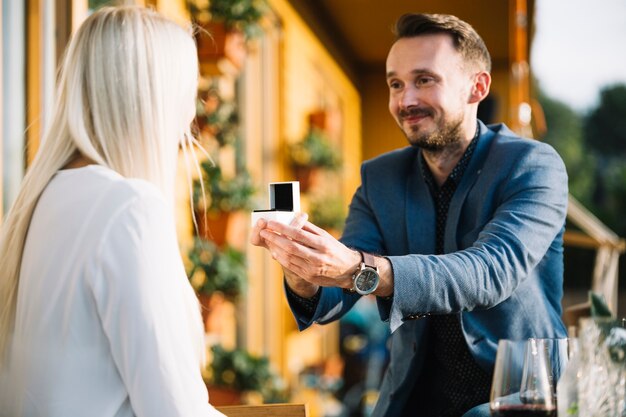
290,253
284,257
299,220
303,261
255,237
307,250
310,227
300,267
305,236
277,241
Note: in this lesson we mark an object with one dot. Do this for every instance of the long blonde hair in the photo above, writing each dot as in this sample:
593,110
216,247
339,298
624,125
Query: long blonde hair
125,100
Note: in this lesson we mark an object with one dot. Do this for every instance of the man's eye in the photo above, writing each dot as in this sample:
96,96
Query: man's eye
394,85
425,80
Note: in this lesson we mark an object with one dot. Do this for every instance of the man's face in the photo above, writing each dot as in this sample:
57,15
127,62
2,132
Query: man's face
429,90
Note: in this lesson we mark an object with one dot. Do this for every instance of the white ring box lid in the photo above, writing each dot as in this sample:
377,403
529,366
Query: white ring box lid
284,199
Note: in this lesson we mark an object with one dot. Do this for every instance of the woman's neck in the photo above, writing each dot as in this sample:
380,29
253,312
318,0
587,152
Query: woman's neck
78,161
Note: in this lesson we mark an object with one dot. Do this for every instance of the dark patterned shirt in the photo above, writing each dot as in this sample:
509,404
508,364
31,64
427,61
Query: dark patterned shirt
455,381
304,306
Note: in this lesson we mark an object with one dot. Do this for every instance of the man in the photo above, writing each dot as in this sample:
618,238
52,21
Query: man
458,235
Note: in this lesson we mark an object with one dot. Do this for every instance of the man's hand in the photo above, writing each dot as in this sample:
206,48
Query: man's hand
311,253
311,257
297,284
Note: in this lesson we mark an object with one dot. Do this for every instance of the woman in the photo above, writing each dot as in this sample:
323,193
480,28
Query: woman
97,316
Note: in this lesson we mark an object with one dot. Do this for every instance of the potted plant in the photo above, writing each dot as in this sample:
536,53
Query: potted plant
229,23
217,117
243,15
216,275
313,152
328,213
221,197
231,373
213,269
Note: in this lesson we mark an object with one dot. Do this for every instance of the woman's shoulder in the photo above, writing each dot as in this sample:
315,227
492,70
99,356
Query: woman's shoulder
97,192
104,183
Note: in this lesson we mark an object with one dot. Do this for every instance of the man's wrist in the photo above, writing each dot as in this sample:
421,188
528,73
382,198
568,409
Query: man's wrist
304,305
299,286
385,271
303,291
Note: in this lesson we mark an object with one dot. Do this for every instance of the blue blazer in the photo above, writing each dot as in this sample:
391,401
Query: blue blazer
502,271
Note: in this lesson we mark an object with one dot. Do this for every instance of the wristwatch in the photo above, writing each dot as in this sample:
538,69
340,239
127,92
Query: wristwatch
366,279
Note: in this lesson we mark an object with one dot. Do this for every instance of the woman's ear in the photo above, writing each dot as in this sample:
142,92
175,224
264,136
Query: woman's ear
480,87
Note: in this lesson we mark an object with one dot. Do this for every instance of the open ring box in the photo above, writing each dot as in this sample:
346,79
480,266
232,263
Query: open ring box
284,200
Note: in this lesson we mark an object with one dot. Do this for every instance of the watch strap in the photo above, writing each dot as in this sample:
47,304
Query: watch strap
369,260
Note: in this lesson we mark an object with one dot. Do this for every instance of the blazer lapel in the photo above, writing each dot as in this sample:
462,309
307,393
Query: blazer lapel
420,212
467,181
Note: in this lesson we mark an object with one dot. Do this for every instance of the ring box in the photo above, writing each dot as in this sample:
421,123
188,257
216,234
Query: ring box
284,198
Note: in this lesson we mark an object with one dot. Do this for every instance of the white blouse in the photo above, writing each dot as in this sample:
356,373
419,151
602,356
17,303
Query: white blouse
103,325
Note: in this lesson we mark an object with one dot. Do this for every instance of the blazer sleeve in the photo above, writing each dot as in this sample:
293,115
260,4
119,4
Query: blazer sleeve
531,210
143,300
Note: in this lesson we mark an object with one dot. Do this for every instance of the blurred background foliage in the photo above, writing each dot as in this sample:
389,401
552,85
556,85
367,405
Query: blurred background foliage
593,146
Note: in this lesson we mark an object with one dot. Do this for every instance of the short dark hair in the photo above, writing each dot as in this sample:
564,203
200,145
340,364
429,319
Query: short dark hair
465,39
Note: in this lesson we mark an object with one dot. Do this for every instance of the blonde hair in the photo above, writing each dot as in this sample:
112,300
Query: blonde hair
125,100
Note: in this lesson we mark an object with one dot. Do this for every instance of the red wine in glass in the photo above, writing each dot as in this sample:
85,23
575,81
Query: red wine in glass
523,410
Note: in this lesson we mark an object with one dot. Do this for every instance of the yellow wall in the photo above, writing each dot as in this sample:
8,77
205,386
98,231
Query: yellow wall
380,131
174,9
311,76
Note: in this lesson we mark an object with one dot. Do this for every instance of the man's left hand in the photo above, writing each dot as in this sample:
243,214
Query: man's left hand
312,253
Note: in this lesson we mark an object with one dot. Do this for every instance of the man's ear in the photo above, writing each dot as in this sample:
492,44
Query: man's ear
480,88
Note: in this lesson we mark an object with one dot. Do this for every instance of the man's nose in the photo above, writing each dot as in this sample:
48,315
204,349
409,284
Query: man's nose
409,98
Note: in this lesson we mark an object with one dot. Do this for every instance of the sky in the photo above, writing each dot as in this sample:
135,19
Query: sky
579,47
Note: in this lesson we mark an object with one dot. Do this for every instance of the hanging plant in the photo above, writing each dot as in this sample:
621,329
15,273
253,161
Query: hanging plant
222,194
217,117
328,213
241,15
314,150
239,370
214,270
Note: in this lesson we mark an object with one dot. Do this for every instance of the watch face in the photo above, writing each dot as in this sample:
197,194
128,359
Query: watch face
366,281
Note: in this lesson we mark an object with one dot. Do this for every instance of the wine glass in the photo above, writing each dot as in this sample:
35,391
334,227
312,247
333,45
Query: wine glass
525,376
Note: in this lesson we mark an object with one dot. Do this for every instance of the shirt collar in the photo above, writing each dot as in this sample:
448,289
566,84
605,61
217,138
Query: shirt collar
459,168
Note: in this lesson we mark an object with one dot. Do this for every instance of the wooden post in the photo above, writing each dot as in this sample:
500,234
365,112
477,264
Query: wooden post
519,85
33,78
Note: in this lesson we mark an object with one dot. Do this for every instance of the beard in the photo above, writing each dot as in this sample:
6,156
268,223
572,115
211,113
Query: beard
447,134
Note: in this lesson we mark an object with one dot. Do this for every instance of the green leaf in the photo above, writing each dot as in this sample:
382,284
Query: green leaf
573,409
315,150
599,308
224,269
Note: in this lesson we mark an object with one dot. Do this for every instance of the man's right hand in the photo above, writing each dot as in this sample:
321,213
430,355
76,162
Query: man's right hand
255,234
297,284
